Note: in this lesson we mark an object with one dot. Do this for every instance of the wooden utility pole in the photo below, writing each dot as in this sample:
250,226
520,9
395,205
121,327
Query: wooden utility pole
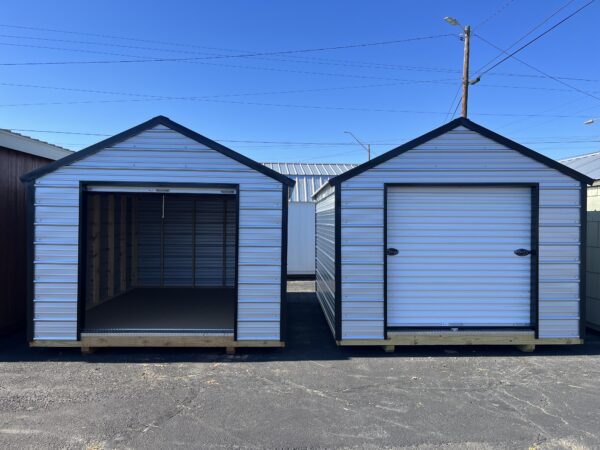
465,80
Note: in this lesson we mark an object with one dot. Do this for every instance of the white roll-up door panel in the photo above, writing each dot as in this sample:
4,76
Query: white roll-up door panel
456,263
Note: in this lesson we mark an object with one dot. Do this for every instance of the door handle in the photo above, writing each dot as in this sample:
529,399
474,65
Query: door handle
391,251
523,252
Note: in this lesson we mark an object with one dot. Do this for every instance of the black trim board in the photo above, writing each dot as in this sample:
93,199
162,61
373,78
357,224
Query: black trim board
448,127
583,262
158,120
534,267
338,262
284,244
30,258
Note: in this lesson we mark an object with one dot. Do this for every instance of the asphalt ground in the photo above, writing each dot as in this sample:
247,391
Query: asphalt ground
310,395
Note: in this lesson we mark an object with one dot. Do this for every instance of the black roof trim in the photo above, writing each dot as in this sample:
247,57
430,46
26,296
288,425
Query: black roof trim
158,120
473,127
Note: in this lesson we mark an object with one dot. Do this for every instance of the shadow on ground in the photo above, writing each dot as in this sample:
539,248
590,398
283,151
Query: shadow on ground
308,338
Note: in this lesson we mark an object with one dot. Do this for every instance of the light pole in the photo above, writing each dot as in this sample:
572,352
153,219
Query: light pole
367,147
465,78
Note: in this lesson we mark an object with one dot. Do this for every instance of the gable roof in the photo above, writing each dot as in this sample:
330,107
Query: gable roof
588,164
309,177
25,144
473,127
158,120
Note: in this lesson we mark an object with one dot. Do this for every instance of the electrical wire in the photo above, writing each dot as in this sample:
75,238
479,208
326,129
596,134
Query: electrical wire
240,55
547,75
527,44
494,14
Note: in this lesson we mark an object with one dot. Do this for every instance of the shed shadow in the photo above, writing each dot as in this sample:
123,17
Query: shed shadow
308,339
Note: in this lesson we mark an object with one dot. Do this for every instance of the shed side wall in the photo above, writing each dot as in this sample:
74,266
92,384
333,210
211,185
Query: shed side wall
593,257
13,264
325,253
459,156
157,155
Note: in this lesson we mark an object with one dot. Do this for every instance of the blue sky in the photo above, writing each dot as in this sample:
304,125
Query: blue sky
295,107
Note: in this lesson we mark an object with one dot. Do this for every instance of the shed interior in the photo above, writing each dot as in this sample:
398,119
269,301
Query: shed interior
160,262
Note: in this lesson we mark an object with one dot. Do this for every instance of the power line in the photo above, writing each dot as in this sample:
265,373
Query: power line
547,75
329,61
241,55
525,35
527,44
494,14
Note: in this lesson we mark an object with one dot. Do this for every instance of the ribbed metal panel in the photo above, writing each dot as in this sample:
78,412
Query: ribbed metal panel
587,164
154,156
459,156
325,253
456,264
309,177
301,241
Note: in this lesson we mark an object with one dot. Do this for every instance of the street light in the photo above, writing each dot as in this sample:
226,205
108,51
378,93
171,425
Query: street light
591,121
452,21
367,147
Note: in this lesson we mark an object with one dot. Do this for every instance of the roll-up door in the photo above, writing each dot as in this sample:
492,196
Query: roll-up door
459,256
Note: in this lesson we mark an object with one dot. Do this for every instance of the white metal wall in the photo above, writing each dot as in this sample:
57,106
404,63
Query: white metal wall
301,238
157,155
459,156
325,253
593,257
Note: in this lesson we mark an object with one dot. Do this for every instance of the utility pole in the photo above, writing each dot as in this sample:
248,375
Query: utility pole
465,80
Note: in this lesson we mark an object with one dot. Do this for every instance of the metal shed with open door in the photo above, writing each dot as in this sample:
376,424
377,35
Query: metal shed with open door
157,236
460,236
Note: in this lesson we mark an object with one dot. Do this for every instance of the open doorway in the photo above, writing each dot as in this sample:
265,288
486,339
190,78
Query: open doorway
160,261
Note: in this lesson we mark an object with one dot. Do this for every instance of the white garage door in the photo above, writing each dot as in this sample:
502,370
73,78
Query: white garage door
456,263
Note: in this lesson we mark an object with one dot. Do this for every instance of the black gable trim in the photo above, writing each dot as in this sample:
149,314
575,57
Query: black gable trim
473,127
158,120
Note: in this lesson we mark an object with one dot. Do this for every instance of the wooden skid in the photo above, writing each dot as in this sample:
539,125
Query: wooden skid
463,339
157,341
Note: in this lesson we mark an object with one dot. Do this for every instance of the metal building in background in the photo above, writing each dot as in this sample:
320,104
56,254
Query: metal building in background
157,236
460,236
309,178
18,155
590,165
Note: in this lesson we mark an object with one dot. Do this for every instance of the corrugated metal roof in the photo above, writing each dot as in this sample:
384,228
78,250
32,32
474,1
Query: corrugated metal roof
308,176
32,146
587,164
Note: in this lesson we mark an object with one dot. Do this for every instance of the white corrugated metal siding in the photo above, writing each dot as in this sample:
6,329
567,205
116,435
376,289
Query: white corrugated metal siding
301,242
459,156
325,249
456,264
157,155
309,177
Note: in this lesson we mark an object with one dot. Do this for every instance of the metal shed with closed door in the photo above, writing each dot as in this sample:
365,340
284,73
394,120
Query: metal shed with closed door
157,236
460,236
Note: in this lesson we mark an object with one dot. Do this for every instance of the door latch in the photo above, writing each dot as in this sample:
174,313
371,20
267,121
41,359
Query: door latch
522,252
391,251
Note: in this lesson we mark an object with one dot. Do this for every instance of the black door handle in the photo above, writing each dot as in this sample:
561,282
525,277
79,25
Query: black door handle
391,251
522,252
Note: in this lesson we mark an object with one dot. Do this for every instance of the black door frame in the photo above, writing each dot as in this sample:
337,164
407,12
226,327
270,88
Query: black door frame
83,233
534,266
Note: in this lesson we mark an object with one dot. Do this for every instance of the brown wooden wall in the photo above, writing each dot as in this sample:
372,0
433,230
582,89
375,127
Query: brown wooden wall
13,235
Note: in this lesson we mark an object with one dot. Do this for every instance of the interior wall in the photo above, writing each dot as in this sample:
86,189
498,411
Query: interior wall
141,240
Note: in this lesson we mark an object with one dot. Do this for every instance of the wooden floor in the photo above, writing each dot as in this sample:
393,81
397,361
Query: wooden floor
165,309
